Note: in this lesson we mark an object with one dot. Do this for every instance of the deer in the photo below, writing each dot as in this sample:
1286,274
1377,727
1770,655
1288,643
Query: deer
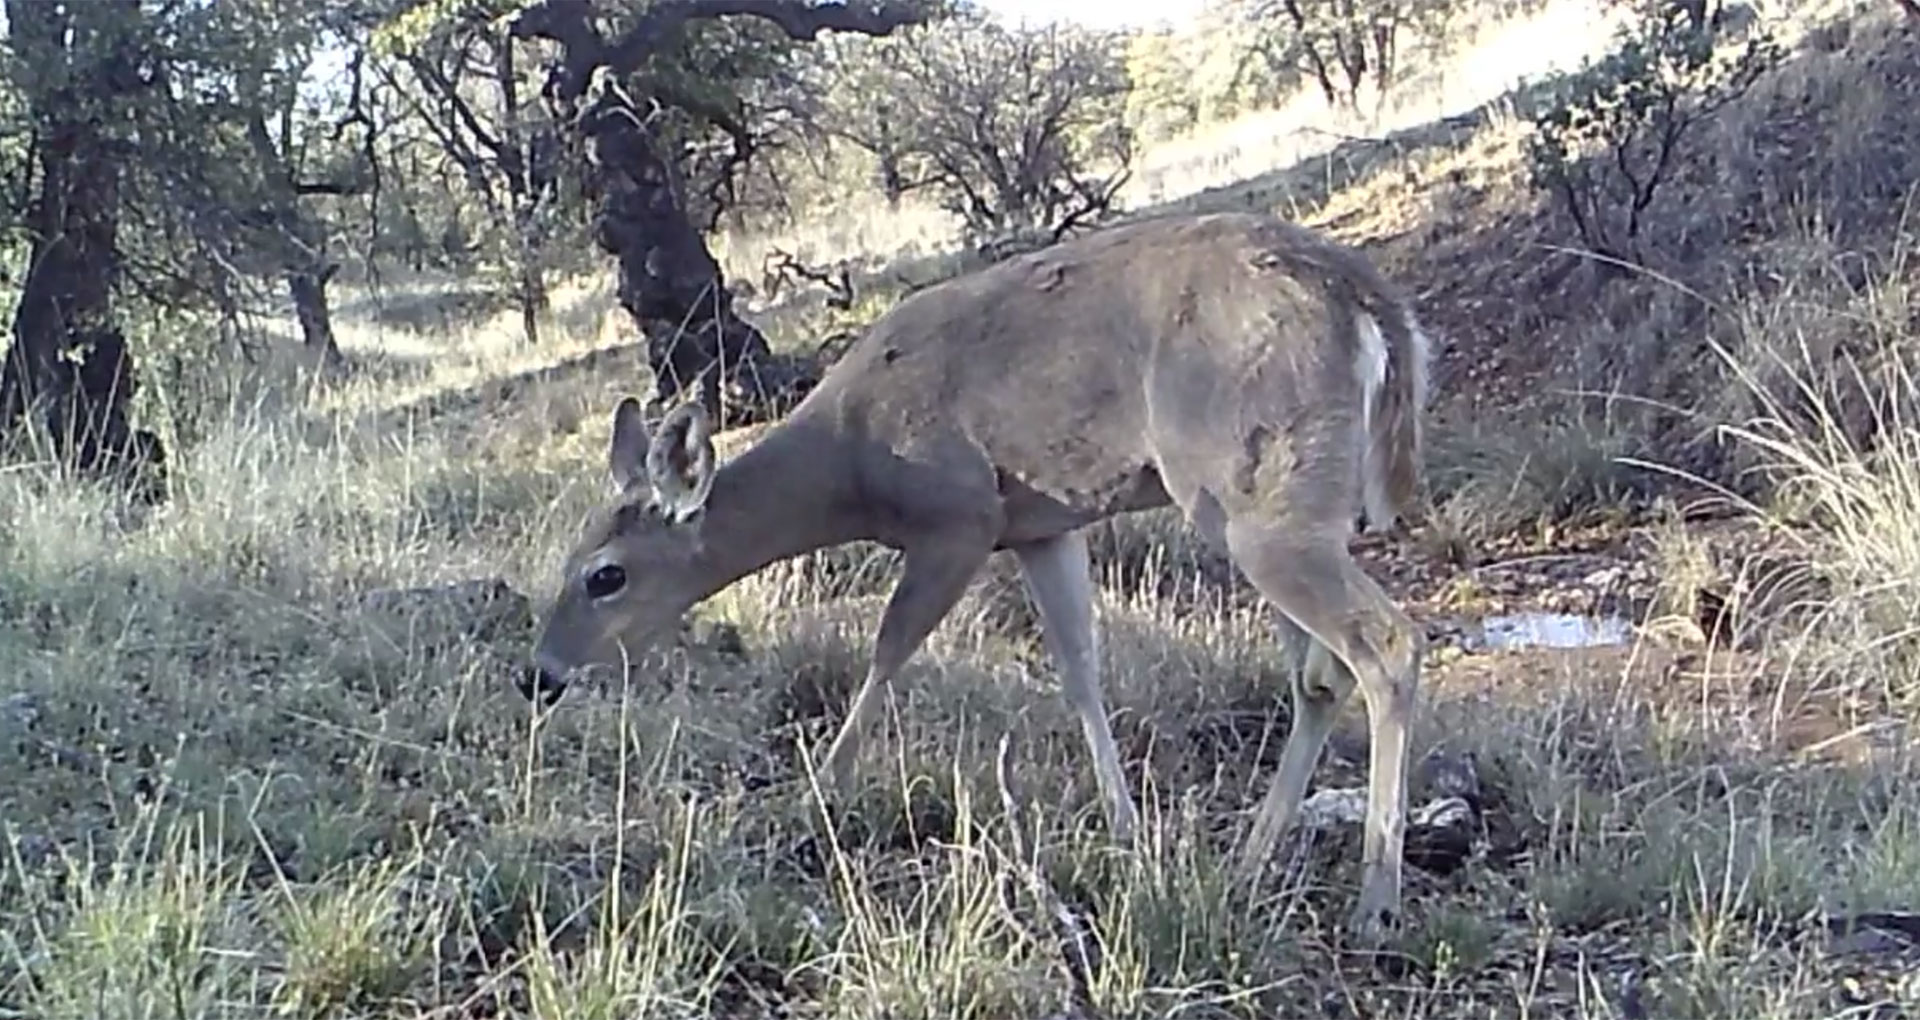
1260,376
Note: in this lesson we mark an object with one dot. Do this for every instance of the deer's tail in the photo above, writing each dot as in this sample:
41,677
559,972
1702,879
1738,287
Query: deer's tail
1391,360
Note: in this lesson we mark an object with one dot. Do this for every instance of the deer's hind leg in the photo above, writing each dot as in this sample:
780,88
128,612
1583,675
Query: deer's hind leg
1304,569
1321,684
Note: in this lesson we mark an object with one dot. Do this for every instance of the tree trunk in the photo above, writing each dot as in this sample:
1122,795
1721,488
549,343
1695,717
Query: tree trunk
515,155
302,244
530,284
308,290
533,297
669,281
68,369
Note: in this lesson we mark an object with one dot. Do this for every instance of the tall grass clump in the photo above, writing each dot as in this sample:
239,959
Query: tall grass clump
1835,433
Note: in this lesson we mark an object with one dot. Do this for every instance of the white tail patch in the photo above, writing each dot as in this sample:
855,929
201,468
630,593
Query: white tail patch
1419,364
1372,362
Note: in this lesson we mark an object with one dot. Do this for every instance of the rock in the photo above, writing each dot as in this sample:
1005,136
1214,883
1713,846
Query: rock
1440,835
485,609
1449,776
20,709
1868,942
1334,807
1445,813
1901,925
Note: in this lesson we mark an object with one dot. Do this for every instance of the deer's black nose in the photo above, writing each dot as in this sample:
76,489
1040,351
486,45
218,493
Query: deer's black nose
539,685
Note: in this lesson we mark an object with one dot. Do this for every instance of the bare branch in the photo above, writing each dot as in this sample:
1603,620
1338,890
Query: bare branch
1018,129
336,188
438,85
571,24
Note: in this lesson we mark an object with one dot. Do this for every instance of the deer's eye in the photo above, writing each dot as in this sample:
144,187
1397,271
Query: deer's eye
605,581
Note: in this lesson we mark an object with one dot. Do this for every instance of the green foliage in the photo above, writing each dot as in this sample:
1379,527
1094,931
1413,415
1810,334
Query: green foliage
1344,47
1164,99
220,115
409,23
1612,133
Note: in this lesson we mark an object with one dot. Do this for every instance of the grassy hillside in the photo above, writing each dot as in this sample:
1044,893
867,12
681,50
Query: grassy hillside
250,770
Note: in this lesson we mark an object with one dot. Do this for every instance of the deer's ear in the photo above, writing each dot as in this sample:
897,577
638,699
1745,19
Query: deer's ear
627,453
680,462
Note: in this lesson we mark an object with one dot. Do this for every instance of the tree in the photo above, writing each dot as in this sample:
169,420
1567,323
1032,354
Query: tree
240,172
469,93
626,95
82,68
1015,128
279,140
1612,133
1163,69
1346,47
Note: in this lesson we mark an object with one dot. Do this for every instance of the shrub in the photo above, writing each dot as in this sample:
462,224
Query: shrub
1610,134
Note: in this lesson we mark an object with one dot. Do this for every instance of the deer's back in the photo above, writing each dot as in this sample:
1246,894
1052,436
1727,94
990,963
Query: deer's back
1049,375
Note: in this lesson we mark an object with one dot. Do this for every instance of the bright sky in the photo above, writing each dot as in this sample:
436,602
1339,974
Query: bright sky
1098,13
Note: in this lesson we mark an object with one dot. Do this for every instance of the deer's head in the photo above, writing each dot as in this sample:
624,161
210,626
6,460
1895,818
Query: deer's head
636,568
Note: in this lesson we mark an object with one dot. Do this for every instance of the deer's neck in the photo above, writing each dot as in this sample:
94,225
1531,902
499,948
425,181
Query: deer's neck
785,496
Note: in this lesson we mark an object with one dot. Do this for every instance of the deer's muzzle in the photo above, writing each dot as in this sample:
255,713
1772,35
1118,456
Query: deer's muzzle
540,685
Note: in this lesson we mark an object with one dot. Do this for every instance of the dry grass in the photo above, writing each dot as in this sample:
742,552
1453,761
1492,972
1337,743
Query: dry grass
242,798
238,790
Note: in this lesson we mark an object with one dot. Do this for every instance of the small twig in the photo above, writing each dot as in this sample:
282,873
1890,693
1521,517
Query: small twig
1077,957
1524,561
780,267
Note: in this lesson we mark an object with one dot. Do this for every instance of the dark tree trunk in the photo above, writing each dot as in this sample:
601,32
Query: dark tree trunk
669,281
68,369
533,294
515,153
302,247
307,288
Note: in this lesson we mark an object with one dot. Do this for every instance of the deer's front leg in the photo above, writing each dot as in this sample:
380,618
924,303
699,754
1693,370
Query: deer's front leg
935,575
1059,576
